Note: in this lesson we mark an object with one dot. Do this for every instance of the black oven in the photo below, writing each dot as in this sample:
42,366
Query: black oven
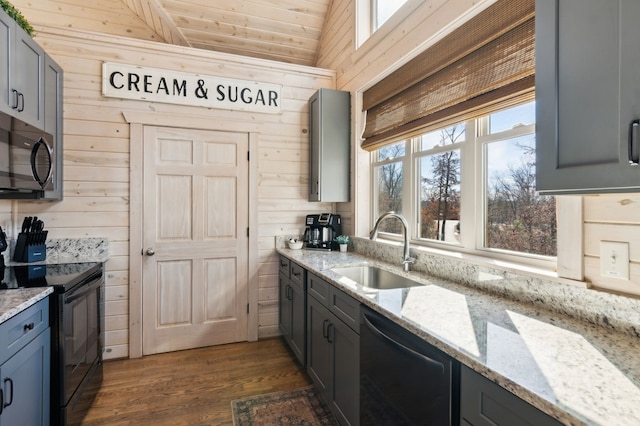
26,157
77,332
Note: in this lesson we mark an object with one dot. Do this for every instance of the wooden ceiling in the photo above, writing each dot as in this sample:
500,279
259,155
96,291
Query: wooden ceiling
280,30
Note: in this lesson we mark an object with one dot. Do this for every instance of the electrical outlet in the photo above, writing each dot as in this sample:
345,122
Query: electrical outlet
614,259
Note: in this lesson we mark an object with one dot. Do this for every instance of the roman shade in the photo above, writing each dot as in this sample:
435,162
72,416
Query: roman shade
486,64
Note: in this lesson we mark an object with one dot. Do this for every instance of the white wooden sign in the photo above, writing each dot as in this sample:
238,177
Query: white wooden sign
158,85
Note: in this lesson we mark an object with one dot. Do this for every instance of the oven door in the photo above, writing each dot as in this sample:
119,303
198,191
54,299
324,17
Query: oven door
81,331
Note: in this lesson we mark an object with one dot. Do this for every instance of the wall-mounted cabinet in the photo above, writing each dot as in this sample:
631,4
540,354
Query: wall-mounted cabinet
31,90
329,138
587,96
53,87
23,65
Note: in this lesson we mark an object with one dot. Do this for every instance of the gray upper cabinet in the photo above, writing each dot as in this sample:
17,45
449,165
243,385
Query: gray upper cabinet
587,96
22,84
329,137
53,86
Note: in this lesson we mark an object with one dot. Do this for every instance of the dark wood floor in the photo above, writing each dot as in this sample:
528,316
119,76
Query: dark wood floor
193,387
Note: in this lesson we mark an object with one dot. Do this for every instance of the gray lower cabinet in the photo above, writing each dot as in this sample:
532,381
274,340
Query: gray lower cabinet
587,96
333,353
292,307
484,403
25,367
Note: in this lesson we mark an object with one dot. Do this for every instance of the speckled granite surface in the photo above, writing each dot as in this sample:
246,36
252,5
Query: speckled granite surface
73,250
577,371
12,302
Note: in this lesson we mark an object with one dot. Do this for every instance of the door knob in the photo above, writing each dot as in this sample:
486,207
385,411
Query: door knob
150,252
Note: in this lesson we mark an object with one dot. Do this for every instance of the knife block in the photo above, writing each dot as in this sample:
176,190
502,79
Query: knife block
28,251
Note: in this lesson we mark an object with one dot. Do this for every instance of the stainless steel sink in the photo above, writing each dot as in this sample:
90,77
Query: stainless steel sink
376,278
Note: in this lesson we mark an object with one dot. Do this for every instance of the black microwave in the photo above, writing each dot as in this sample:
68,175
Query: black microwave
26,157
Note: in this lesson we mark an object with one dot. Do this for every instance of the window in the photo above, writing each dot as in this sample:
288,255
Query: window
470,187
381,11
389,181
372,14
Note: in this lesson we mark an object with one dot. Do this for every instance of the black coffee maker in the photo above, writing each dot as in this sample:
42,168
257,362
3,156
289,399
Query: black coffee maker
321,230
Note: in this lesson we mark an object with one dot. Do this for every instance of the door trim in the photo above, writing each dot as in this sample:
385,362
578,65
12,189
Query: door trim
136,144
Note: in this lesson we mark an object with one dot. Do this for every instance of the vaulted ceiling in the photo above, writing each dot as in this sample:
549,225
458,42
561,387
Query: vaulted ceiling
281,30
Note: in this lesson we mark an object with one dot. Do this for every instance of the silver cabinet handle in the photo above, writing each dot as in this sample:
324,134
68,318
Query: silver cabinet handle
150,252
633,127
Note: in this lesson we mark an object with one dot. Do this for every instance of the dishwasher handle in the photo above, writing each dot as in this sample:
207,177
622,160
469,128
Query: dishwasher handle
438,365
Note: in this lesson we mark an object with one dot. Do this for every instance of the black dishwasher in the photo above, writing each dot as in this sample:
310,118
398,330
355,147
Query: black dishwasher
403,379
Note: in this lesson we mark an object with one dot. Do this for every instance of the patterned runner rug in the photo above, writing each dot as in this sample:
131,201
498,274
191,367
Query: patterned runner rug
297,407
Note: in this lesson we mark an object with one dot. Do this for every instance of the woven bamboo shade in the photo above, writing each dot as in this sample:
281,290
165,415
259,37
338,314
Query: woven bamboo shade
486,64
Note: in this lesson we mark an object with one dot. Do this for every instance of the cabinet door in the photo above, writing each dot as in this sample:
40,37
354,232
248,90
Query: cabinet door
319,349
6,42
27,78
284,306
25,384
346,372
329,139
587,95
483,403
53,120
298,324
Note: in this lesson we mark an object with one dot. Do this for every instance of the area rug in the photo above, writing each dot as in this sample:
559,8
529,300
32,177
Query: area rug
296,407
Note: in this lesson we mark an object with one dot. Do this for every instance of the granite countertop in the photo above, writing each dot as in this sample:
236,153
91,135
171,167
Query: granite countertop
71,250
577,372
14,301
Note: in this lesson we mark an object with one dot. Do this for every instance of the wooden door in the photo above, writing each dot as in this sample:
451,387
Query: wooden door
195,206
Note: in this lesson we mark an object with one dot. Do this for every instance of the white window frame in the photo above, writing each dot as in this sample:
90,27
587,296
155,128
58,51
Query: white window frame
472,211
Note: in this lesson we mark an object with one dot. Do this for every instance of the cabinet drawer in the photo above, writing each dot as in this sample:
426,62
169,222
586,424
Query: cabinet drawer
283,266
297,273
345,307
318,288
20,329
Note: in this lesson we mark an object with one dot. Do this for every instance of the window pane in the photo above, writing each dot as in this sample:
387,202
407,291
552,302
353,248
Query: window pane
440,196
392,151
518,219
383,9
448,136
513,117
389,195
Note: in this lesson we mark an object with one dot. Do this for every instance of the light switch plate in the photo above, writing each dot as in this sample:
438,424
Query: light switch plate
614,259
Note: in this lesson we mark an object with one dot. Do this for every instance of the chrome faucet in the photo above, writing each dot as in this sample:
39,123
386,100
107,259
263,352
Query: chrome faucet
406,258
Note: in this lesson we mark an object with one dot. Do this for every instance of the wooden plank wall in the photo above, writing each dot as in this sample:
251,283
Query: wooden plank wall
96,156
606,218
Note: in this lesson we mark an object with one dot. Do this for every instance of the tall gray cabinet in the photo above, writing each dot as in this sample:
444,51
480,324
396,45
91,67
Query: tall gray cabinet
329,142
587,96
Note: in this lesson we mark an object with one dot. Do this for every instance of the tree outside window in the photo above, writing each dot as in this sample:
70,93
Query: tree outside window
440,188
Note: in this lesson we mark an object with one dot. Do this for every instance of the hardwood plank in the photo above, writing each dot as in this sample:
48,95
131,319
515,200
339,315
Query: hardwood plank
192,387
